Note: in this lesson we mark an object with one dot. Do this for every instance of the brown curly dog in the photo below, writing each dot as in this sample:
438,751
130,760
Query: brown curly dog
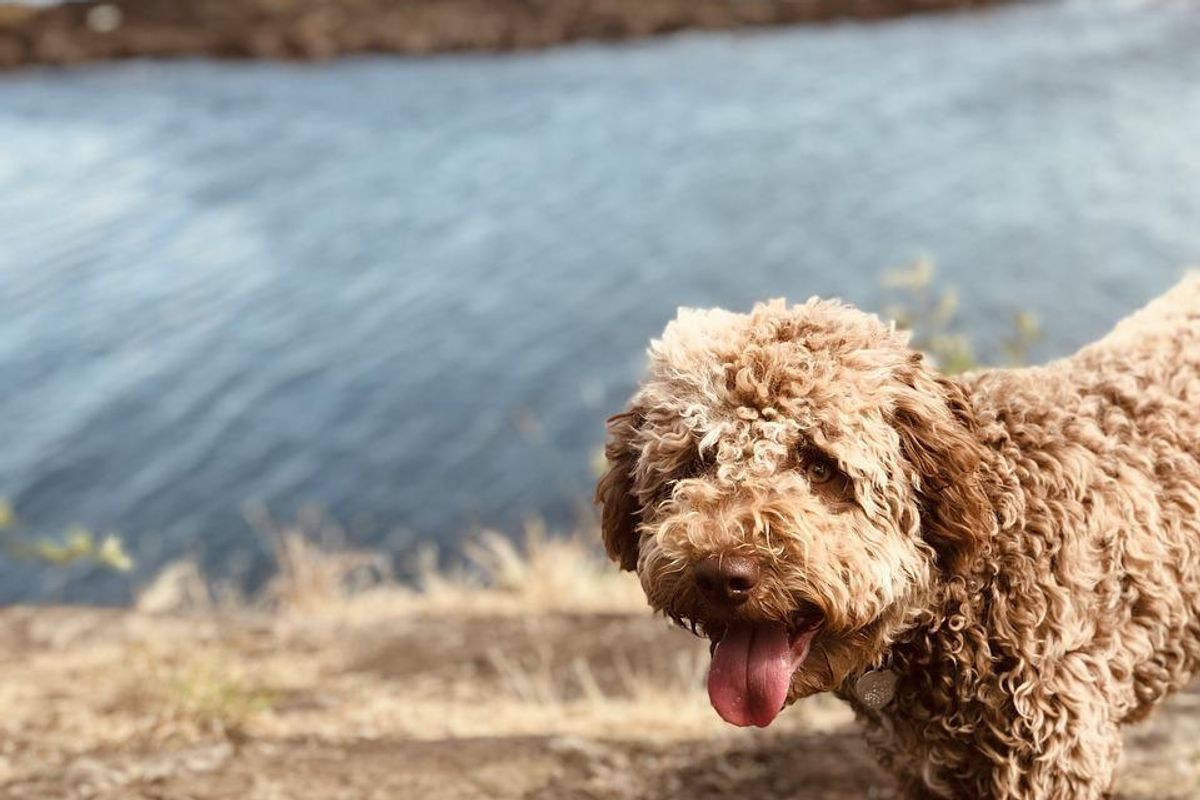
996,570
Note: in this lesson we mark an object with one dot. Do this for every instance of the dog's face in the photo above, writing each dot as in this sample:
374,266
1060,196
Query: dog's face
790,482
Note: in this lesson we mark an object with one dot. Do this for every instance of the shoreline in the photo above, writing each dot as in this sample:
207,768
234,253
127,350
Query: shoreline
91,31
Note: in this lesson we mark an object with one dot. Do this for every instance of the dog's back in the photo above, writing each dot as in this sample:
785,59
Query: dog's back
1158,345
1107,450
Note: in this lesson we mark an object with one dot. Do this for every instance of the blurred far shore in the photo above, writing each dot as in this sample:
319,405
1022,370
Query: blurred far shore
76,32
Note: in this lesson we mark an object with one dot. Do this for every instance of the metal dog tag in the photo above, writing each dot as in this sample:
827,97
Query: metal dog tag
876,688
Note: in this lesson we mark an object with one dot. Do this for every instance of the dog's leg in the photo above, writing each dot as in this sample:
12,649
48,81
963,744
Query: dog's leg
1064,748
1068,751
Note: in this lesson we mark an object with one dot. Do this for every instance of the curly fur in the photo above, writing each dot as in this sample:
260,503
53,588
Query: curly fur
1020,547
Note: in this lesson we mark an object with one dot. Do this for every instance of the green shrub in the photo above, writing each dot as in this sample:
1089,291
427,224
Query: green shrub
74,545
931,315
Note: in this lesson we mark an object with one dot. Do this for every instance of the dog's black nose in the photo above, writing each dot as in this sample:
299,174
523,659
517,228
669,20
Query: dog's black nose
726,580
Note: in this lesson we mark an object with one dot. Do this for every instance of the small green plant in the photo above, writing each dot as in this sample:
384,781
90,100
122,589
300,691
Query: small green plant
931,315
1026,332
212,693
75,545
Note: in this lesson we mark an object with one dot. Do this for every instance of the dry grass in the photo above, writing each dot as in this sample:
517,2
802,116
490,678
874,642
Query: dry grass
495,641
546,574
318,576
501,635
337,665
539,640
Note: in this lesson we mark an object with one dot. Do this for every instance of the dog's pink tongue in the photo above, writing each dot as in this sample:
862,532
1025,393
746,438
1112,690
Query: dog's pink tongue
750,674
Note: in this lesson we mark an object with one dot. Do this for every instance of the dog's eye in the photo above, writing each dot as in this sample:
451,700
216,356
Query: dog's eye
819,471
826,480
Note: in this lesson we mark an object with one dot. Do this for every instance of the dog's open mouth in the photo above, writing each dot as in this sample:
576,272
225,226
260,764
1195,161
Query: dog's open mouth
752,667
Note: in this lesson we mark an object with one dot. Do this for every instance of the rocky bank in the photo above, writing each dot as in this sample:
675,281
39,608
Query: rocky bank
98,30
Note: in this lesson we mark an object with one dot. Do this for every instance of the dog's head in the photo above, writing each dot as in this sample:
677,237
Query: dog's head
790,482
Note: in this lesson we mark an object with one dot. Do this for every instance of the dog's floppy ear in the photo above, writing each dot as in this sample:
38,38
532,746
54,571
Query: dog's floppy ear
939,438
621,511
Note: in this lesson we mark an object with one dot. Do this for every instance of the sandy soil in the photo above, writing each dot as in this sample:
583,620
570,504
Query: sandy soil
395,700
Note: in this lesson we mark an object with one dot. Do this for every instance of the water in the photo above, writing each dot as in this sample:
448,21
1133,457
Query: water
409,291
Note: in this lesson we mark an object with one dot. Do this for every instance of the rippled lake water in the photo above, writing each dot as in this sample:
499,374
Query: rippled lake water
409,291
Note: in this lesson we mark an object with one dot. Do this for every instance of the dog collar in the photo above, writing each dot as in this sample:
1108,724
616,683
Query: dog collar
875,688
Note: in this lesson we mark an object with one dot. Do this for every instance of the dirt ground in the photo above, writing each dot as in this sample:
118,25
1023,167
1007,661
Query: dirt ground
386,700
